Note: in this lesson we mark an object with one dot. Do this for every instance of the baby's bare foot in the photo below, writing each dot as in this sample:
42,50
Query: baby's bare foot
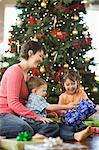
39,136
79,136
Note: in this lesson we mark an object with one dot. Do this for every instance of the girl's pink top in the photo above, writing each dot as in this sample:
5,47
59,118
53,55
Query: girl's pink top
14,92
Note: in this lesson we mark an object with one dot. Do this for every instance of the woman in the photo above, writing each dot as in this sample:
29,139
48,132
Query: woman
13,94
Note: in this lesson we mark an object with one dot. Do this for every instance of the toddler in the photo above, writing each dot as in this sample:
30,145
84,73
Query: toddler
37,101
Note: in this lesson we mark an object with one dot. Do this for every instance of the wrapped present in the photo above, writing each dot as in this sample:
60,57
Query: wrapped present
95,130
65,146
13,144
85,109
92,123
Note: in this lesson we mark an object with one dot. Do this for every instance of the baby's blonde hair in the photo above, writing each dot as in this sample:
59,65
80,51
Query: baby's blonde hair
35,82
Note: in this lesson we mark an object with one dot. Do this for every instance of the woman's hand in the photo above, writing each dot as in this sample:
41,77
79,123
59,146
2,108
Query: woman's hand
46,120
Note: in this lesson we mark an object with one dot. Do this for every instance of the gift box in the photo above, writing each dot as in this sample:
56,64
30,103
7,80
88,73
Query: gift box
13,144
95,130
74,117
92,123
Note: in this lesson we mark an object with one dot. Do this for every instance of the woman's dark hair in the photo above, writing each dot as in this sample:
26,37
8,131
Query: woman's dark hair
35,82
31,45
72,75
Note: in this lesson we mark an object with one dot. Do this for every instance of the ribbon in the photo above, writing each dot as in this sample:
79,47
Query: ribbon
24,136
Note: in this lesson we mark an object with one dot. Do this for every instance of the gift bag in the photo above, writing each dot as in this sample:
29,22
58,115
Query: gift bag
74,117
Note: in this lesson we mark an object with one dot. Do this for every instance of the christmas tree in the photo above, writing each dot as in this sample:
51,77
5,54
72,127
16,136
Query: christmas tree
60,27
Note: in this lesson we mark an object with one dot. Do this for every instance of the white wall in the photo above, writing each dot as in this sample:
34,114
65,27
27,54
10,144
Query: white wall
4,3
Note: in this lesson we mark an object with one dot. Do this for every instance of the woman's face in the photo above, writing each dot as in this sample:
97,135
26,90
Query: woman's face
35,60
70,86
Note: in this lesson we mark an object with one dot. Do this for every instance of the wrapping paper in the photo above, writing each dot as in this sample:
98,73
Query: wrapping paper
85,109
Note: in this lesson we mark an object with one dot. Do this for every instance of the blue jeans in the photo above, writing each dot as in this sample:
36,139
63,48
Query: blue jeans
50,129
67,132
11,125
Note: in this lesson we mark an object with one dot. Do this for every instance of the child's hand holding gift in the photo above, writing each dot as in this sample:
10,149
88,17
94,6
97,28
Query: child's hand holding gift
72,105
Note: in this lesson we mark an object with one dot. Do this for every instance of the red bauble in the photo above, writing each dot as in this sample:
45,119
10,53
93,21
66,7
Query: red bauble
39,36
13,50
77,44
31,20
10,41
59,34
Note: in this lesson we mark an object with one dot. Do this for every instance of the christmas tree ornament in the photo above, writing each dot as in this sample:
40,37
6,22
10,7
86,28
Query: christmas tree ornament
76,17
23,1
75,31
31,20
42,69
13,50
95,89
87,59
44,3
97,78
66,65
46,56
18,46
39,36
34,38
55,21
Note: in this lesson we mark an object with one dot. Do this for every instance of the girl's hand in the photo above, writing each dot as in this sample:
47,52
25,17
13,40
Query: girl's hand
72,105
46,120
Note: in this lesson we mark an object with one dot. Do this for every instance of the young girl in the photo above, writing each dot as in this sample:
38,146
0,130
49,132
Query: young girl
38,104
73,93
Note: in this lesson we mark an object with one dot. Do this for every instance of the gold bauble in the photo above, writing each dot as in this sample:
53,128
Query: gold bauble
87,59
66,65
46,56
95,89
43,4
42,69
96,78
75,31
76,17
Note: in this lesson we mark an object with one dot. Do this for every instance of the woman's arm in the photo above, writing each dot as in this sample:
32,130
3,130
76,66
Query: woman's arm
14,84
